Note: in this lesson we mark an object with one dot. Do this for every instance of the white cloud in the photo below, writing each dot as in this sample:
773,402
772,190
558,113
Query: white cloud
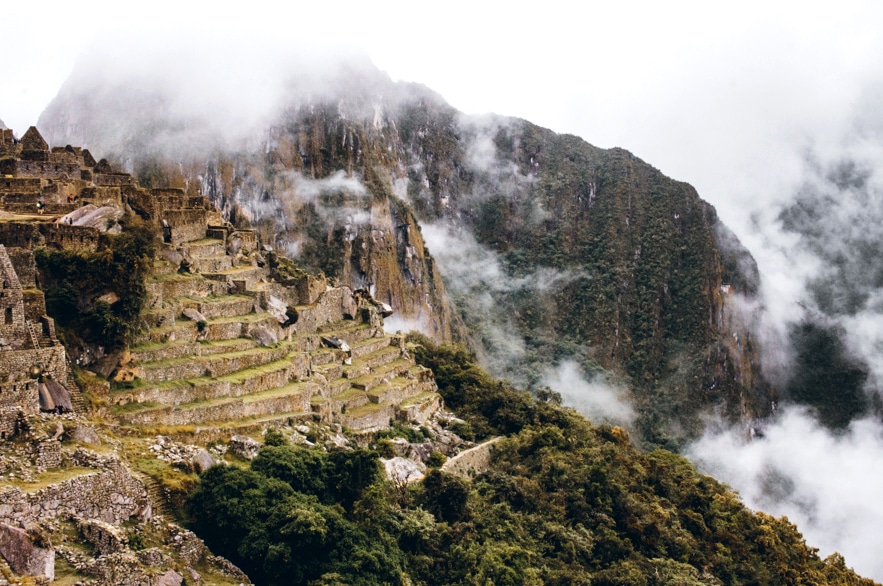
596,399
828,485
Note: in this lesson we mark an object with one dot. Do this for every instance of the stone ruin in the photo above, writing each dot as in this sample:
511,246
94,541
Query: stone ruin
228,347
33,364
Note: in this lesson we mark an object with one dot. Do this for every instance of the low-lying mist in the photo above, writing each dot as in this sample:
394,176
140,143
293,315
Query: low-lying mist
827,483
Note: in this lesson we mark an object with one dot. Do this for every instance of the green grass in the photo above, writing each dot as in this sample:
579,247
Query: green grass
49,477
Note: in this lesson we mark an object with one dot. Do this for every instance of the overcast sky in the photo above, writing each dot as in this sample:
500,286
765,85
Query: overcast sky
701,90
728,97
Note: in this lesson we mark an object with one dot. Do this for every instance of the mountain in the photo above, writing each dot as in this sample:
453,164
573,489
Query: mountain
553,252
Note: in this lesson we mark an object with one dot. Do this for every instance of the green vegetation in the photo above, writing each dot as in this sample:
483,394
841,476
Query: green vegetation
75,283
564,503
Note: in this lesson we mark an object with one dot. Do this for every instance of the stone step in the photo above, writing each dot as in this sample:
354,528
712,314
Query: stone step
381,374
365,364
224,306
223,346
419,408
293,397
212,264
249,274
337,386
369,346
214,365
395,390
203,248
183,330
154,318
330,370
347,400
158,351
349,331
172,285
235,326
368,416
252,380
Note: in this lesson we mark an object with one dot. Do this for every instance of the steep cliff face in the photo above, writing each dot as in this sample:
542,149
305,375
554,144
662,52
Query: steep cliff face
551,249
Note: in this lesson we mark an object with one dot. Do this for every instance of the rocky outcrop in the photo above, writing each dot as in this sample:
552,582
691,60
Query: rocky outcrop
23,555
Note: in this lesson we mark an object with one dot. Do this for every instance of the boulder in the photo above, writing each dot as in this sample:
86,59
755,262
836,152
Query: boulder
102,218
193,315
244,447
263,336
170,578
85,435
278,309
23,555
402,470
202,461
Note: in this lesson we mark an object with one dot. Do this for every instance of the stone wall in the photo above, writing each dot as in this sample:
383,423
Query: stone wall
17,185
112,495
52,360
35,235
9,421
111,179
331,306
101,196
40,168
24,266
20,394
186,225
471,462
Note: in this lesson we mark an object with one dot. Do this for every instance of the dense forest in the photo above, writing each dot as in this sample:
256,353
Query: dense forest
565,502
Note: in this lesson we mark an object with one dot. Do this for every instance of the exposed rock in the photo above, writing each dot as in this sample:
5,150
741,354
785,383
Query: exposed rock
85,434
23,555
278,309
336,343
202,461
127,375
263,336
170,578
102,218
245,447
193,314
109,298
402,470
173,256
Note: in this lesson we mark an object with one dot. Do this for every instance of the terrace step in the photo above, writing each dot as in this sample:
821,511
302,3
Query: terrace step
293,397
203,248
224,306
367,416
243,382
212,264
381,374
365,364
171,285
369,346
348,331
249,274
420,407
213,365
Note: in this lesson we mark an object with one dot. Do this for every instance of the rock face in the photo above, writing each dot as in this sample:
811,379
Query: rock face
23,556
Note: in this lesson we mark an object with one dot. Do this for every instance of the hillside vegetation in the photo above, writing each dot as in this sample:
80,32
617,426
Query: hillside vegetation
564,502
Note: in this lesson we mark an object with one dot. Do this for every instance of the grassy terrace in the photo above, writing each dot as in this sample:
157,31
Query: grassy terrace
417,399
48,477
223,356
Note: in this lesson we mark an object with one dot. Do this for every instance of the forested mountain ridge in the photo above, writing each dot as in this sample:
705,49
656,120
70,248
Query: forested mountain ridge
596,256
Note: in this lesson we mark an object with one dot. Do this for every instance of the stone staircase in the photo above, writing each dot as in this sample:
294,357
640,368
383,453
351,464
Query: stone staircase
331,365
